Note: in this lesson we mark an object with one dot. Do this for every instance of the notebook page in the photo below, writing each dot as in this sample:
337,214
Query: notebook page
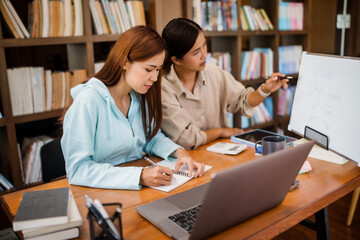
178,179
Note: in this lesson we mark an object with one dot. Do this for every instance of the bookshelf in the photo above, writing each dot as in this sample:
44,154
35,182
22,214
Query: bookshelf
68,53
57,54
238,41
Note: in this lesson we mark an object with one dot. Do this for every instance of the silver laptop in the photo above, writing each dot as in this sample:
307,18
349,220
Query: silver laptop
231,197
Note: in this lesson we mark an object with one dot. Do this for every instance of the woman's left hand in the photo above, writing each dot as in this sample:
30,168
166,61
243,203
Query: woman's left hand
274,83
185,158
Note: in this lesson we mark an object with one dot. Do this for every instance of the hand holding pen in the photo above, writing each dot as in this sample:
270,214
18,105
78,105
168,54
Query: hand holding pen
275,81
155,176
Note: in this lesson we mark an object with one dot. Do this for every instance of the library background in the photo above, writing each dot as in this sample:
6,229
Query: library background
49,46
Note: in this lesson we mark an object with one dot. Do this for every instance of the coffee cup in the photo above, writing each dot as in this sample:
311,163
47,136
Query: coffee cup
270,144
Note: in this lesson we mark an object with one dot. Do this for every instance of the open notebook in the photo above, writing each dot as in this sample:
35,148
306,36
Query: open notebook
179,178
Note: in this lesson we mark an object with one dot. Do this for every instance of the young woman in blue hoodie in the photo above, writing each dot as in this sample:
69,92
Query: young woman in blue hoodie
116,117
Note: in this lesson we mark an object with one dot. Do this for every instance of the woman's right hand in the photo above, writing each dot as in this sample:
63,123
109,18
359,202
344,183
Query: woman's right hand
156,176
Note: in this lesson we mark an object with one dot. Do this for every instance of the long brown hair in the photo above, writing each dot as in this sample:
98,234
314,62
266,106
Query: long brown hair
137,44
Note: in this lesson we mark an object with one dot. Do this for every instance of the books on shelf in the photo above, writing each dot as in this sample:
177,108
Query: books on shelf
30,157
4,183
285,100
289,59
116,16
13,20
55,18
216,15
252,19
33,89
221,59
42,208
262,113
257,63
291,16
74,221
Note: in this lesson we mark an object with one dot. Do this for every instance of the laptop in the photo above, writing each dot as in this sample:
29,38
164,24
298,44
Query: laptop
231,197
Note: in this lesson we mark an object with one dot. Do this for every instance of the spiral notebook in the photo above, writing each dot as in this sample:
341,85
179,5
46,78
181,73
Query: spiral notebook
179,178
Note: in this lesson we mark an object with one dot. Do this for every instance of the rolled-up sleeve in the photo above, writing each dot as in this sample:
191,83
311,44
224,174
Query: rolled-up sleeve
236,94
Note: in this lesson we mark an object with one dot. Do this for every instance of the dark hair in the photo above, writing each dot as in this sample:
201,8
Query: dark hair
139,43
180,35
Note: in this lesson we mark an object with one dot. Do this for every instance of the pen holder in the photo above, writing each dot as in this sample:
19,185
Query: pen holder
105,233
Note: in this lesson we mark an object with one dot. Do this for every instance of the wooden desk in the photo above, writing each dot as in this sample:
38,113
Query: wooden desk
326,183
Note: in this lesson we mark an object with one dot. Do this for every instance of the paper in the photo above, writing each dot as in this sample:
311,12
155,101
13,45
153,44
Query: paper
306,167
178,179
322,154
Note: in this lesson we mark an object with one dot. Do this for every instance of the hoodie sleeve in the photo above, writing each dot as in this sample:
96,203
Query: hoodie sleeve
77,143
161,146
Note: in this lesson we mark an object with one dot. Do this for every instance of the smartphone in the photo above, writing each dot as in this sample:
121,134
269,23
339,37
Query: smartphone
294,185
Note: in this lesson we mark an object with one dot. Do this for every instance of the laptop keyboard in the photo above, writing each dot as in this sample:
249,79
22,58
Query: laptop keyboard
186,218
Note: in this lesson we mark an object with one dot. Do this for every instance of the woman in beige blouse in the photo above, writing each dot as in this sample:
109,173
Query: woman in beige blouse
196,96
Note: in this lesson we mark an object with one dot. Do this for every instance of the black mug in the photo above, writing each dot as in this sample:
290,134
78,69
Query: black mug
270,144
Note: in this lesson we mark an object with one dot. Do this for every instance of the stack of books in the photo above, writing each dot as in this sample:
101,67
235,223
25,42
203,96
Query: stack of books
48,214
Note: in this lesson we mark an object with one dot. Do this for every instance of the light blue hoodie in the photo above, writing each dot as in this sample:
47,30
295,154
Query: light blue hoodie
97,136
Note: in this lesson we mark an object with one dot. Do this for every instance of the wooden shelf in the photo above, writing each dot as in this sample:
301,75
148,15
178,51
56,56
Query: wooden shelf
263,125
252,82
105,38
221,33
258,33
284,119
302,32
37,116
2,122
28,42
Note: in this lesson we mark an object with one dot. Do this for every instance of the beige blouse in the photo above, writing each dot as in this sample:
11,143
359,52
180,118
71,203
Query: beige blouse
187,115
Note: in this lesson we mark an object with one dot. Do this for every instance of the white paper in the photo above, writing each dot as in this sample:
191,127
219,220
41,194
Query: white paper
178,179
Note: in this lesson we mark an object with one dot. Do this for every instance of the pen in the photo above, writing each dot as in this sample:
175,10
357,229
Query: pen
153,163
286,77
99,218
150,161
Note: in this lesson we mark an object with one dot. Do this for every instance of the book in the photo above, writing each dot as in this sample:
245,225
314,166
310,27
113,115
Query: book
4,182
8,19
64,234
179,178
17,19
8,234
42,208
75,220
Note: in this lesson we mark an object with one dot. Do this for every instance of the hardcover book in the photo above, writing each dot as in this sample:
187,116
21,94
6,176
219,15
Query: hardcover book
42,208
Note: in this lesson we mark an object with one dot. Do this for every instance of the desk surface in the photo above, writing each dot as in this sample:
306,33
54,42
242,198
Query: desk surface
326,183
